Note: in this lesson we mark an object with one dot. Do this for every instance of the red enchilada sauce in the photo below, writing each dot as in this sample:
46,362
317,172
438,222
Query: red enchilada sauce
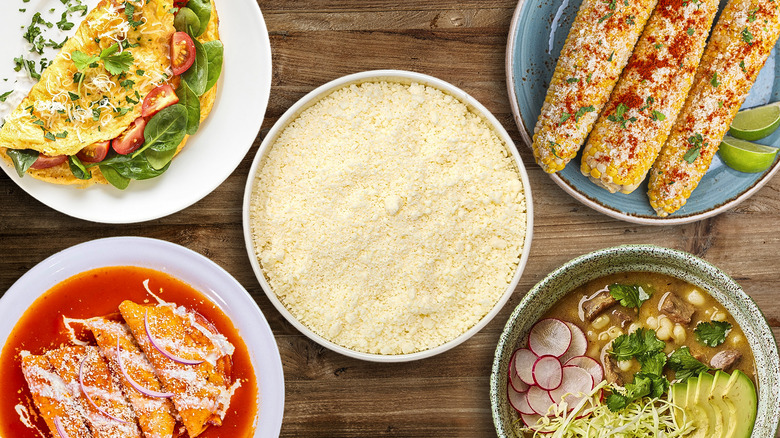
96,293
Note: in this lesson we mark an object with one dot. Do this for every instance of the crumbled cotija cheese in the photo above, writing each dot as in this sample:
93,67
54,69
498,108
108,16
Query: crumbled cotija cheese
388,218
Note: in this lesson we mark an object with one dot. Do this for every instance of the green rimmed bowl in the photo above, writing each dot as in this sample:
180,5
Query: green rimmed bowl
641,258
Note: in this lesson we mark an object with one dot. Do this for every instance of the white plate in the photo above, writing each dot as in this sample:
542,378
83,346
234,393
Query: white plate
390,76
210,156
192,268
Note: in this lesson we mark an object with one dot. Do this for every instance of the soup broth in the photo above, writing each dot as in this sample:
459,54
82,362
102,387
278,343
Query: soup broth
671,300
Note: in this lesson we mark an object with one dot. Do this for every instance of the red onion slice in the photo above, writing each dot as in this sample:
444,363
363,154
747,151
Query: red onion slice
89,399
60,430
133,383
163,350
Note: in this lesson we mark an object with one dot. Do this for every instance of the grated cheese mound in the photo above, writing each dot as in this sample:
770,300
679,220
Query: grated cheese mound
388,218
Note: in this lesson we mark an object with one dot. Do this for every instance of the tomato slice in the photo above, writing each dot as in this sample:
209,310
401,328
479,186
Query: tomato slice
95,152
45,161
130,140
182,52
157,99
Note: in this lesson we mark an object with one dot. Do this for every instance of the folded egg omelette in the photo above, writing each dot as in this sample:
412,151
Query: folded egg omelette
95,88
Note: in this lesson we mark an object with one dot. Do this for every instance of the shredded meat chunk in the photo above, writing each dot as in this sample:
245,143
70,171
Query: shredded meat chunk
676,309
611,371
624,318
594,306
725,360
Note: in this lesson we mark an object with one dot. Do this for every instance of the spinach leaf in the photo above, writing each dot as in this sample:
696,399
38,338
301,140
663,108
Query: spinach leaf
130,167
186,21
201,8
197,75
712,333
685,365
113,177
78,169
191,103
22,158
165,130
158,160
214,54
629,295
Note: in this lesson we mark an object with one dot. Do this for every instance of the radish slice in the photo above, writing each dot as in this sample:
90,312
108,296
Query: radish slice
539,399
60,430
577,383
549,337
588,364
514,380
133,383
579,343
89,399
548,372
524,365
519,401
531,421
162,350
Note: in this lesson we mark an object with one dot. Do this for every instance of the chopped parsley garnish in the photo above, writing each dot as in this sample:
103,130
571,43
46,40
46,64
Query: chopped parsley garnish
752,16
571,80
564,118
747,36
552,145
697,141
714,81
712,333
582,111
5,95
606,17
630,20
130,13
658,116
619,116
128,84
73,96
629,295
610,56
742,66
685,365
690,31
588,78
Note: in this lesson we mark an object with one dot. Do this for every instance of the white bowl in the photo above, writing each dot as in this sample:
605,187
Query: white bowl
398,76
186,265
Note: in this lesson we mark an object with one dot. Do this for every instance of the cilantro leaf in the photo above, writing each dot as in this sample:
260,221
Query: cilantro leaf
644,385
712,333
685,365
638,344
629,295
116,64
82,60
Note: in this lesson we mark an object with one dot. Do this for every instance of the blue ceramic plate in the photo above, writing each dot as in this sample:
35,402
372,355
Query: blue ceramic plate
538,31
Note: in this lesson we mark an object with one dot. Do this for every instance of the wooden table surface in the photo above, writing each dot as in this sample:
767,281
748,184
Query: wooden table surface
462,42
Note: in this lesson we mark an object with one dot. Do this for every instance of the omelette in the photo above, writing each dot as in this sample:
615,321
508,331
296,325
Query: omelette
121,98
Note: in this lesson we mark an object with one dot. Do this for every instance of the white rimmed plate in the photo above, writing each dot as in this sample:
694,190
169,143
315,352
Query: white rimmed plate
391,76
211,155
186,265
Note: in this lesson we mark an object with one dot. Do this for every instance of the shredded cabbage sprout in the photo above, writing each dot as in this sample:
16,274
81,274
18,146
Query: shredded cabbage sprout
590,418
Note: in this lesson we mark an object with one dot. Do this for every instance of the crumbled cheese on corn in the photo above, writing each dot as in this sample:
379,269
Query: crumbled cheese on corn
389,218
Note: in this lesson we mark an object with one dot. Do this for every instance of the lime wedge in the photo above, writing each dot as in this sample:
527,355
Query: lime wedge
756,123
745,156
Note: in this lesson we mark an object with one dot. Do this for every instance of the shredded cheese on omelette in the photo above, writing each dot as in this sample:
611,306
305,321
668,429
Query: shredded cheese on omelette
69,107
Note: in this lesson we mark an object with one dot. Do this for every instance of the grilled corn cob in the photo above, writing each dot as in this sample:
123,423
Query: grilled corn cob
596,50
740,44
651,91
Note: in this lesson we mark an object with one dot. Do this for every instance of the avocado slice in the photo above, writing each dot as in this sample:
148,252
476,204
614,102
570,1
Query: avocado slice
703,402
741,392
694,412
726,406
678,398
